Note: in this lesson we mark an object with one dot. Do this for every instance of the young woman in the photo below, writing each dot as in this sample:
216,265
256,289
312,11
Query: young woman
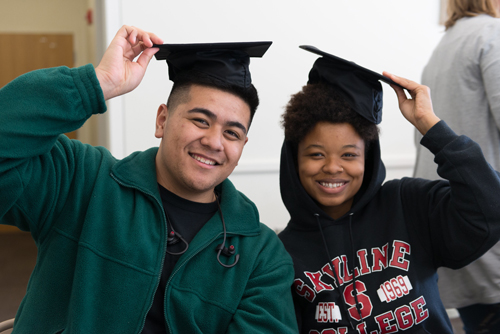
366,253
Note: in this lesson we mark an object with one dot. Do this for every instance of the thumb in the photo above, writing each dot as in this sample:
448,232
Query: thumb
146,56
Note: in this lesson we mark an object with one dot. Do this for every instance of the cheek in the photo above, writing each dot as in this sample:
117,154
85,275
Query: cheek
309,166
234,151
306,171
358,172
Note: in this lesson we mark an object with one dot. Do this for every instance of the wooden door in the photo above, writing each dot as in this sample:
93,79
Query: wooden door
22,53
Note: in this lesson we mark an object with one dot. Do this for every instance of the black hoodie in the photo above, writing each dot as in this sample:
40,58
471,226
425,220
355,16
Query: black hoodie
391,242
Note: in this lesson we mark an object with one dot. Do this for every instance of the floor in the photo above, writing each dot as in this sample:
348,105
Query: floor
17,260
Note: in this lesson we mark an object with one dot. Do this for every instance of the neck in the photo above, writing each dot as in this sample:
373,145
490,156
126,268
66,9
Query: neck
207,196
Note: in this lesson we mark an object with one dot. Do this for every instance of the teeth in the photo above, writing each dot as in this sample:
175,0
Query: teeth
331,185
205,161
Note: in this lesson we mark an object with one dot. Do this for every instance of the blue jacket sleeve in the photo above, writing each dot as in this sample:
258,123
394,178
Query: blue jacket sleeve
457,219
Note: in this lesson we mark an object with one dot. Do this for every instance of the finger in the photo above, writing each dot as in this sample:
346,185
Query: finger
146,56
155,39
400,94
144,38
138,48
406,83
132,36
124,31
148,38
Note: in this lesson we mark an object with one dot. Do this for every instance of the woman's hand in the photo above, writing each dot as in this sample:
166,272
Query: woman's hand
418,109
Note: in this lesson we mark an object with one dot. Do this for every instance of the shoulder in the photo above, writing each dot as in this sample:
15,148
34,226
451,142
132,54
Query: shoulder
479,21
484,28
272,252
236,205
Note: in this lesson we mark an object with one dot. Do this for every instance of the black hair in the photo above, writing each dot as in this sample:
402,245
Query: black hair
321,102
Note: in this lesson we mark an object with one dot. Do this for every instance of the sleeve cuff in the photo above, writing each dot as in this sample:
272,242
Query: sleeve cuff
438,136
90,90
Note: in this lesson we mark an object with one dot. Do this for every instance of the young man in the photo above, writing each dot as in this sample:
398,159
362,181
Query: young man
160,241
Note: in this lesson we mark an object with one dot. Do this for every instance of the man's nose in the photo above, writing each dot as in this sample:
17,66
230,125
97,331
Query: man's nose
213,139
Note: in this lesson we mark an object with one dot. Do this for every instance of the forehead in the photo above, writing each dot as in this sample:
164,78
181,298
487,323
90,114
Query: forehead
333,134
225,105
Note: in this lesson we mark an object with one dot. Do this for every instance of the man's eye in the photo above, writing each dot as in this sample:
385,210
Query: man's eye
201,121
233,134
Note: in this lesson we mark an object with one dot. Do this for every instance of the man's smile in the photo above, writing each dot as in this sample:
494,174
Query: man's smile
204,160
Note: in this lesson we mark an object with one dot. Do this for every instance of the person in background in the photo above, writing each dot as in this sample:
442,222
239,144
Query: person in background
463,74
160,241
366,252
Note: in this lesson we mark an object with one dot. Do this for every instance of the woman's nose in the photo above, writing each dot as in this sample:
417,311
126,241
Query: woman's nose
332,166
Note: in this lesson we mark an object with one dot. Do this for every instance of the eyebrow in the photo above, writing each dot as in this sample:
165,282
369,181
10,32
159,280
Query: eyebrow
321,146
213,116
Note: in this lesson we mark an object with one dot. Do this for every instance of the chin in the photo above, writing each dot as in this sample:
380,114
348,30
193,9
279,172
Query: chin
202,185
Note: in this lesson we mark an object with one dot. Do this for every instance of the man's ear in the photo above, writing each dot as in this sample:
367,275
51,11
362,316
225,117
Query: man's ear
161,120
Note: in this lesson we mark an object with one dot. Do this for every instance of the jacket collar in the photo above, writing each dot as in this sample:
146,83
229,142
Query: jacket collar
138,170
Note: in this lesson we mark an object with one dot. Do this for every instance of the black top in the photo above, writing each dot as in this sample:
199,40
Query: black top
187,218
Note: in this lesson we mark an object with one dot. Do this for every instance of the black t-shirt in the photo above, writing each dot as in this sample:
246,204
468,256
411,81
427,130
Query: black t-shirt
186,218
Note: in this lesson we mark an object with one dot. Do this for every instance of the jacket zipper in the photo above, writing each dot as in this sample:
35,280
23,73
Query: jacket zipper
182,264
164,250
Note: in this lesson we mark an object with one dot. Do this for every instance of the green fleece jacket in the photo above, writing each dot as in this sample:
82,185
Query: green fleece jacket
100,228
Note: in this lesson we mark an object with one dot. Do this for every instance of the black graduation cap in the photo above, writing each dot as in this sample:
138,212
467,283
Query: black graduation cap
225,61
359,85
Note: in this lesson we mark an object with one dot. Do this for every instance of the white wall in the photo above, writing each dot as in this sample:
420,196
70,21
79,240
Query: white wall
393,35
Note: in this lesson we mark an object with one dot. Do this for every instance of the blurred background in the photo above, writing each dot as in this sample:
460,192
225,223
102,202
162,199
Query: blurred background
392,35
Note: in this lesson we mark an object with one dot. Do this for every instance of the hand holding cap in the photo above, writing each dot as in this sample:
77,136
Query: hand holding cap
117,72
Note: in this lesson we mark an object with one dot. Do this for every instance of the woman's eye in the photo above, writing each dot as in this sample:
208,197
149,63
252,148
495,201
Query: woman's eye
350,155
316,155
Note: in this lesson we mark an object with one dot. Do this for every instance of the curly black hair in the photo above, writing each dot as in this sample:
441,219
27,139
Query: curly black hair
321,102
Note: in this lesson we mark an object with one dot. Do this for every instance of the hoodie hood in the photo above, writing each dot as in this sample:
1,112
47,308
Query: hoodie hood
302,207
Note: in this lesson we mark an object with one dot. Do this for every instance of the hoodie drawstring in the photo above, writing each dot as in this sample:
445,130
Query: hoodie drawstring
332,268
354,266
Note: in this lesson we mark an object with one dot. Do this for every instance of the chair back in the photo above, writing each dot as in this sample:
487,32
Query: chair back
7,324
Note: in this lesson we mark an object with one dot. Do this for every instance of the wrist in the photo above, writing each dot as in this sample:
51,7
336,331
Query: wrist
104,83
424,124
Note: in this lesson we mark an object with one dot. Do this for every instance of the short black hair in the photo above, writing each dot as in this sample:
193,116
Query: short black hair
320,102
180,90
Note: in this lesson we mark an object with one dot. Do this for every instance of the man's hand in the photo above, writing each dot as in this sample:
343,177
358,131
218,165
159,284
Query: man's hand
417,110
117,72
